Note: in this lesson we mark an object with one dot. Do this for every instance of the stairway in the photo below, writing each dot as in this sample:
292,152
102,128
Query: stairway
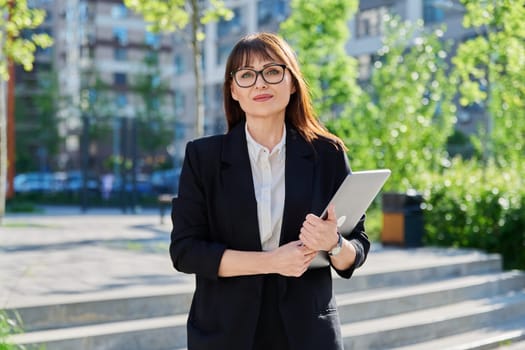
409,299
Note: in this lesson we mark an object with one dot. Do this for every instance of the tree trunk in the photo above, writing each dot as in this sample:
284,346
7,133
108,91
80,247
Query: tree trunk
197,57
3,147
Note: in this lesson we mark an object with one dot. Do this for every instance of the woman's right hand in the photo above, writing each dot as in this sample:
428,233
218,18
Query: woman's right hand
291,259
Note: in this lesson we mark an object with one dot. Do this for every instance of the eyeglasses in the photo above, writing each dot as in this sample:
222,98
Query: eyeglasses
246,77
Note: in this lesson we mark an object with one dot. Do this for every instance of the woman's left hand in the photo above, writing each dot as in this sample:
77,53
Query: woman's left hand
318,234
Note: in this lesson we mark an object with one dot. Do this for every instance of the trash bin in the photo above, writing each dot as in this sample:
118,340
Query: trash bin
402,219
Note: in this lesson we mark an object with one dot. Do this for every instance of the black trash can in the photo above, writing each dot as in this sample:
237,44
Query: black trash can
402,219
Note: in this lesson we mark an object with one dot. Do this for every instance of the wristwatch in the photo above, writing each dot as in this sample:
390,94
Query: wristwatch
337,249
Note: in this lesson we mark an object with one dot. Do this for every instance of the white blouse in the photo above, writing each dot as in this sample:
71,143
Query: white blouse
268,181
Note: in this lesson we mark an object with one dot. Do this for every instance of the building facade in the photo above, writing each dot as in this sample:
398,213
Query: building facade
102,43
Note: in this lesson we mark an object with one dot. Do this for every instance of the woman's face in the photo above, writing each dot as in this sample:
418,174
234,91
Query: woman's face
263,99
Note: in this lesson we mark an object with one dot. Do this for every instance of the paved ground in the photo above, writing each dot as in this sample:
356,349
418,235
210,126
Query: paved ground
64,255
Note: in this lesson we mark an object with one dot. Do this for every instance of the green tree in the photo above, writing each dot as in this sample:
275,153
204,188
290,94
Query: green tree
37,120
15,16
491,71
404,119
318,31
153,133
176,15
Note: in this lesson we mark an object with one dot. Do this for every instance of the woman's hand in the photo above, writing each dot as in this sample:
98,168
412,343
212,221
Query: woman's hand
291,259
318,234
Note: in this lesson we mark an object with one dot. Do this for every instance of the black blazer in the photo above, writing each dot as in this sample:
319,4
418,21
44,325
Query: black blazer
216,209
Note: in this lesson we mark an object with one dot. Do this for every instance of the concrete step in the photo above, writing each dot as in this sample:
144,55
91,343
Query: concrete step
160,333
505,336
108,307
164,333
424,325
171,300
392,297
393,267
388,301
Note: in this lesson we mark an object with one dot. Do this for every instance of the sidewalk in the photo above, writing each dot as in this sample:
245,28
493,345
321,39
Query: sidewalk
65,256
62,255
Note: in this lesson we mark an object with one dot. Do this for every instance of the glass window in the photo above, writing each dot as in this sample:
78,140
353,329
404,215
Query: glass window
120,35
370,22
223,50
232,26
179,64
119,11
179,101
121,100
152,39
120,78
431,13
152,57
271,10
155,81
120,54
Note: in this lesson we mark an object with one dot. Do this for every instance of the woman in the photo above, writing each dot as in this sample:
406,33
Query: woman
245,218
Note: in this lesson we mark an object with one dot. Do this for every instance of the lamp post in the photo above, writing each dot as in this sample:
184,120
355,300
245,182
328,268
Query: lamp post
84,161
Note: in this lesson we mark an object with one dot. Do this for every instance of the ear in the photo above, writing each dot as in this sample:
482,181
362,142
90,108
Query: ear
292,89
233,92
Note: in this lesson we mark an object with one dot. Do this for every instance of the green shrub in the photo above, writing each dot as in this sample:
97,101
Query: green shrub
8,326
468,206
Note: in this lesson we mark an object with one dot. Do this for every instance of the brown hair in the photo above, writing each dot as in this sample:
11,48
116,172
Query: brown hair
299,112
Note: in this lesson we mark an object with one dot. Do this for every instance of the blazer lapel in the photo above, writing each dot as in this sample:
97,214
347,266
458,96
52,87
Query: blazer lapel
298,184
237,180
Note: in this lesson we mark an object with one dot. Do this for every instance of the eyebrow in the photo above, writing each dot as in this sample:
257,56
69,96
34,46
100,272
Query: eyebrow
264,66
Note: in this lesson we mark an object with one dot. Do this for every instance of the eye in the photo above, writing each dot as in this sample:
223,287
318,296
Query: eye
245,74
272,71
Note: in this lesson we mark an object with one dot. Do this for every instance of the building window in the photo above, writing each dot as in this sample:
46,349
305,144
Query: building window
233,26
271,10
179,101
120,35
152,40
369,22
152,58
179,64
119,11
121,100
120,79
223,51
120,54
431,13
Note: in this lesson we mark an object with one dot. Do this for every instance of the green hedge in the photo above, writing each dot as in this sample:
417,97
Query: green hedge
468,206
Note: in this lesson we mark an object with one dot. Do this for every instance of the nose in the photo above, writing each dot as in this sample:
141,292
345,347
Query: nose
260,82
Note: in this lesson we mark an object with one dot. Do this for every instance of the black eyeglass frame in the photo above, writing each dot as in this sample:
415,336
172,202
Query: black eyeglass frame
257,73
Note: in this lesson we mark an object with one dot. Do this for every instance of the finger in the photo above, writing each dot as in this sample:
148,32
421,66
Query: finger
331,213
313,219
310,224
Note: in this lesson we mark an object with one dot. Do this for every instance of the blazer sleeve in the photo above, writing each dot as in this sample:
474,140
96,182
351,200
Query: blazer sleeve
191,250
357,237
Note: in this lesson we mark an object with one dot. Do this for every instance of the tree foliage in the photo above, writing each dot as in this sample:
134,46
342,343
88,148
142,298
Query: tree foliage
403,116
491,72
170,16
154,132
15,17
36,116
404,119
318,31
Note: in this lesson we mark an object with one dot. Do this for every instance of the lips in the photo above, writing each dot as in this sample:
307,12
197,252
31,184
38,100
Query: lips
262,97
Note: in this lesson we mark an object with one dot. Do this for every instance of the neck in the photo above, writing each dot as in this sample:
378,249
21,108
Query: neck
267,133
